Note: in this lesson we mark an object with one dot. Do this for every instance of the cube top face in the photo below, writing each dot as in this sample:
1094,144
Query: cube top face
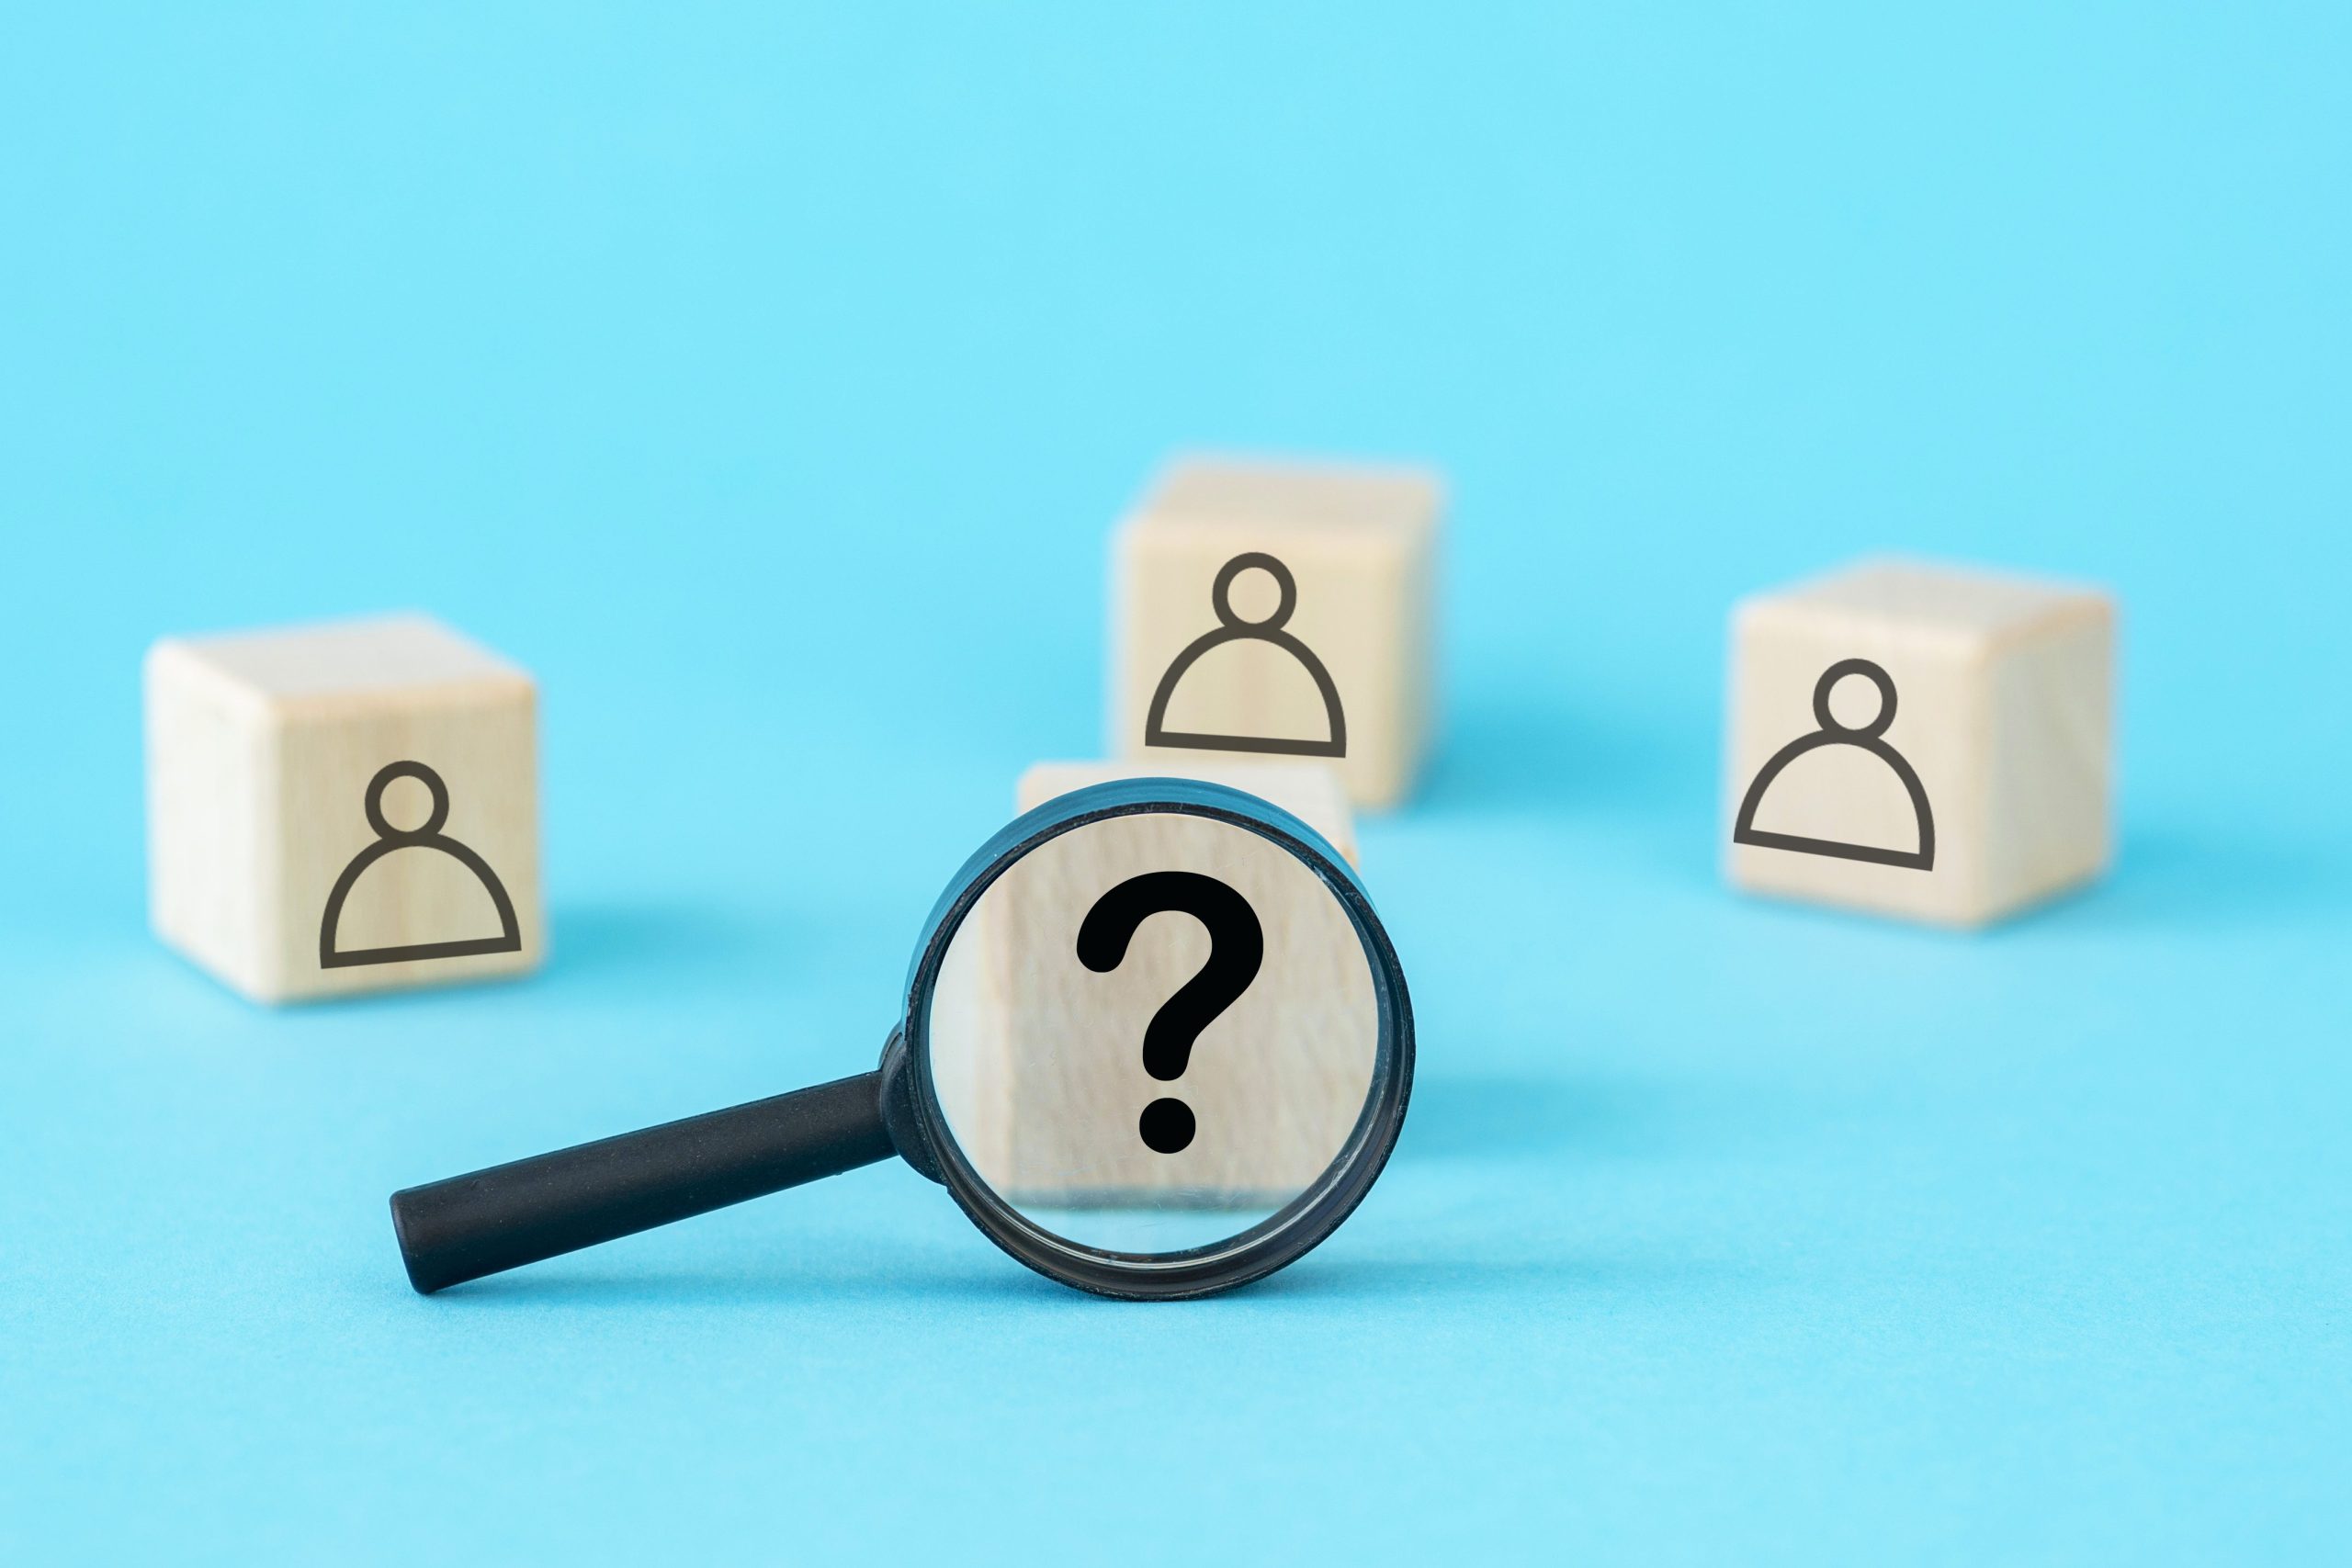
1277,610
1929,605
344,663
1308,790
343,808
1920,742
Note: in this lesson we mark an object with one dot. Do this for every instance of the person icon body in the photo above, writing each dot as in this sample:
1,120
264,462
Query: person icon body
1232,629
430,838
1870,738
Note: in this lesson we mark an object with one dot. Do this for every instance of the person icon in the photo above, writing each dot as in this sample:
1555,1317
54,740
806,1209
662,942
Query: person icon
390,838
1233,628
1870,738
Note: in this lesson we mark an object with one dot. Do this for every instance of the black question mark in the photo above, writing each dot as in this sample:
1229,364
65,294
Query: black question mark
1236,946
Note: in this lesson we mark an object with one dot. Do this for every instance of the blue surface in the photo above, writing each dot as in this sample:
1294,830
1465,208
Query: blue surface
767,385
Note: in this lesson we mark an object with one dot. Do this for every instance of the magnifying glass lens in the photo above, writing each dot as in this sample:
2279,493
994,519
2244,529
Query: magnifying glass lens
1153,1036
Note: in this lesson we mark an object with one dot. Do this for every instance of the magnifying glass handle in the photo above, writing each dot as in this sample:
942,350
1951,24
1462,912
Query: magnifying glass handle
512,1214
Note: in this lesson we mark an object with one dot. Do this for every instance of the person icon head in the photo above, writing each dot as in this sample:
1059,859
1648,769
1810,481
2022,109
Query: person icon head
437,793
1870,737
428,837
1828,719
1233,626
1285,588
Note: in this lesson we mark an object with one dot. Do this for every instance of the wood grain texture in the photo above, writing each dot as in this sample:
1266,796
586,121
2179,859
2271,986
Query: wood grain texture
261,750
1361,544
1037,1059
2003,710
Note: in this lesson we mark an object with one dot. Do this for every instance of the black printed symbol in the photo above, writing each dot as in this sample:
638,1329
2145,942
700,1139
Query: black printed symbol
429,837
1236,947
1233,628
1870,738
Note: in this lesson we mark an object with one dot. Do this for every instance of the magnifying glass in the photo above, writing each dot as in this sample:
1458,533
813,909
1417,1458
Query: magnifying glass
1156,1045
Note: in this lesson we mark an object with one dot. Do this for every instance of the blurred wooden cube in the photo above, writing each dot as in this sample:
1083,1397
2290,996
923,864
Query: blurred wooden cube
342,807
1921,740
1274,609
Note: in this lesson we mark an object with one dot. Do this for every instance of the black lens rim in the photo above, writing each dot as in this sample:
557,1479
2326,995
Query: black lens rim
1301,1226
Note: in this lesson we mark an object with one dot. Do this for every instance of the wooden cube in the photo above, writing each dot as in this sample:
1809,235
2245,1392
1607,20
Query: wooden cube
1280,609
1921,740
1035,1060
1308,790
342,807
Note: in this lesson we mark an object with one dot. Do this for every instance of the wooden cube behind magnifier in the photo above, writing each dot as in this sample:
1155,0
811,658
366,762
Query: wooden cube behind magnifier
1053,1121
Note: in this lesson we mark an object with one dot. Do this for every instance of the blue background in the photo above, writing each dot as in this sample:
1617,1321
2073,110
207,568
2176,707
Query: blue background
767,384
